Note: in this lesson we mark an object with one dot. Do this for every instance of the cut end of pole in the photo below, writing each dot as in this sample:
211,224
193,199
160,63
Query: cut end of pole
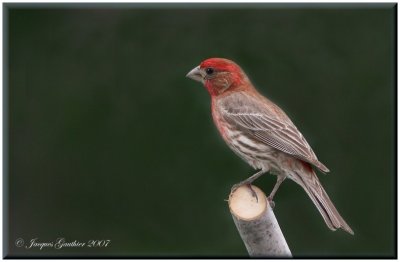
245,206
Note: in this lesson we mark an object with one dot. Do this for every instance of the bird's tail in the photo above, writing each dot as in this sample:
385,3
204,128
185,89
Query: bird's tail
310,183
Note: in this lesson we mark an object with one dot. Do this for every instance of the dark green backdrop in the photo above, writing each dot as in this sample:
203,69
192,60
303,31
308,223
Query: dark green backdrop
107,139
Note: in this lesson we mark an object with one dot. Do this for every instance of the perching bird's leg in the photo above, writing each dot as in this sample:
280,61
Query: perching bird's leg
279,181
249,181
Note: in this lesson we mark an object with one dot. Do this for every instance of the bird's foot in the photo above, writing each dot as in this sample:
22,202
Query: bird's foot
271,202
253,193
235,186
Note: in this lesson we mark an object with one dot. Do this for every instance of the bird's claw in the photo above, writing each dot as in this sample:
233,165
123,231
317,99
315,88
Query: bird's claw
271,202
253,193
234,187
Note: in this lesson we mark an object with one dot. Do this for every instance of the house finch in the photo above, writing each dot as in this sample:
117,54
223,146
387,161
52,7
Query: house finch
261,134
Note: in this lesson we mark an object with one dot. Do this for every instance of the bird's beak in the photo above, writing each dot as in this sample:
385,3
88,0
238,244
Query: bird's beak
196,74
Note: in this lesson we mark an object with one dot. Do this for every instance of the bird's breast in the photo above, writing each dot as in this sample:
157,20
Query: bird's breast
222,126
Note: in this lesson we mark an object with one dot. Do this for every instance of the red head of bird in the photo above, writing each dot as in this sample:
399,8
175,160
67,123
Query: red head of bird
220,75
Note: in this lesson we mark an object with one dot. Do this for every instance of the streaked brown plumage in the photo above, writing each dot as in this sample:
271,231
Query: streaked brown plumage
261,134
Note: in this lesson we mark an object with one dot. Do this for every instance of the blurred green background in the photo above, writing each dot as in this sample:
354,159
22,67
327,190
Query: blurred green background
107,139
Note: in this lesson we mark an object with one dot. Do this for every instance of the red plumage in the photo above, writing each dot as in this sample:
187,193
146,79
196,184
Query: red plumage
260,133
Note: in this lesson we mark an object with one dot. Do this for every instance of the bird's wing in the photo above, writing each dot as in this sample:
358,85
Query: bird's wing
267,124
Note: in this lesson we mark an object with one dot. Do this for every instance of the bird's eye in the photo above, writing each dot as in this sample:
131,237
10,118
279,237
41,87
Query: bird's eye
209,70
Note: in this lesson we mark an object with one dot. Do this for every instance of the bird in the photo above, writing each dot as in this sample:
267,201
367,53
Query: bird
262,134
